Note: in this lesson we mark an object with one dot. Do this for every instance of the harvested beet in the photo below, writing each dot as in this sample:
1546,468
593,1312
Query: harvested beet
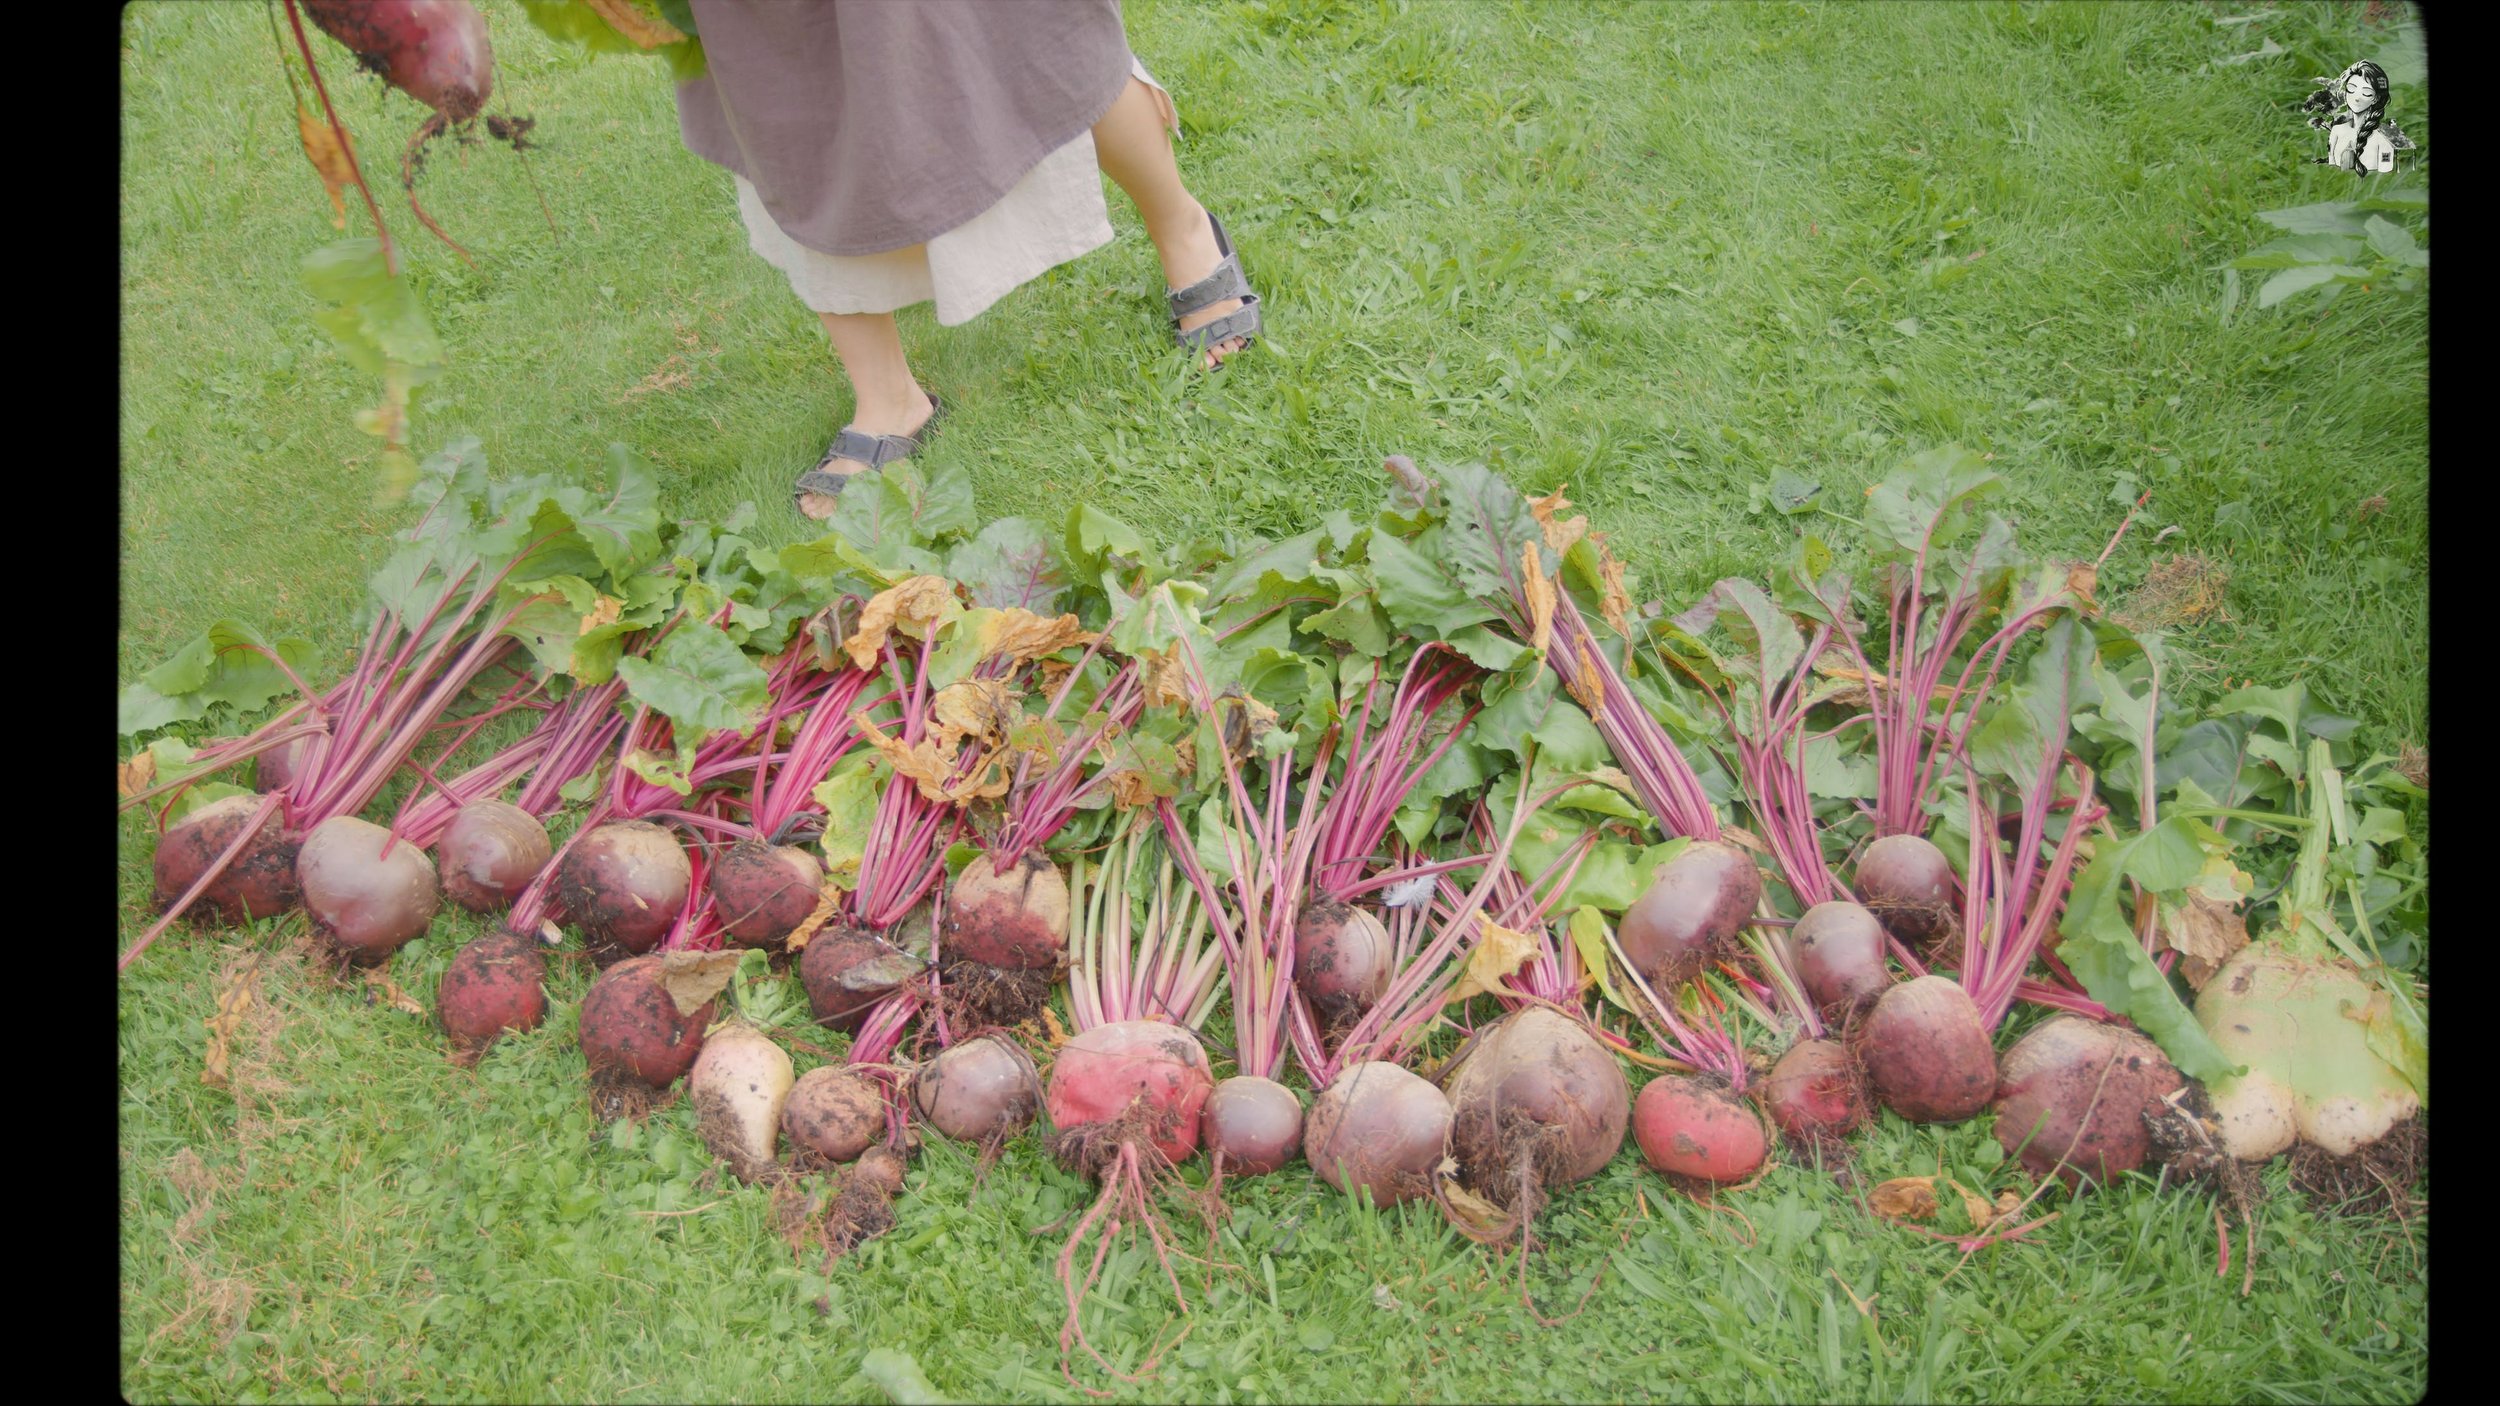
1146,1069
1697,1133
366,892
1839,949
833,1113
489,853
1907,883
1016,921
495,984
1378,1128
1695,905
847,970
740,1082
631,1026
1536,1101
1252,1126
983,1090
276,769
1927,1055
764,891
433,50
2073,1094
1341,961
1815,1093
260,883
623,884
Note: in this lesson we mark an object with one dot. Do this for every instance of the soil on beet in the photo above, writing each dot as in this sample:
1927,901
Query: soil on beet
981,997
2379,1180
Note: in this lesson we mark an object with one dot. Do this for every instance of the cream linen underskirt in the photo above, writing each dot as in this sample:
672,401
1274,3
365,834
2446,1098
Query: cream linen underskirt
1055,214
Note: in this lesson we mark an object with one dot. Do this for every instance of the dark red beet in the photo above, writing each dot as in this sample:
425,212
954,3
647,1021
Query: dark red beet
764,891
980,1090
1535,1086
1698,1132
632,1027
275,769
1380,1129
1908,884
2072,1098
1153,1067
435,51
1816,1091
623,884
1927,1056
260,883
489,853
1690,915
1341,961
1839,949
497,983
366,892
833,1112
847,971
1253,1124
1016,921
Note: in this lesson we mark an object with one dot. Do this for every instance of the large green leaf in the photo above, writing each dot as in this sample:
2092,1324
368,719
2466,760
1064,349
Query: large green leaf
1009,563
229,664
1418,594
698,678
1937,489
2101,949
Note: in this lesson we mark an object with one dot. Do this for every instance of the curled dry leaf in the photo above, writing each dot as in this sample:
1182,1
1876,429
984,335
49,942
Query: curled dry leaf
1585,688
828,904
693,978
914,606
1498,953
2081,579
1131,790
1483,1215
1905,1199
1540,594
333,159
1614,599
1058,1034
638,23
2204,931
1024,636
981,711
138,773
380,987
1561,533
936,768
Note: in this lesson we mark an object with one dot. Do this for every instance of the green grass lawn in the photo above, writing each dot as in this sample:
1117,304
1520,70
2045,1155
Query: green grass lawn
1661,253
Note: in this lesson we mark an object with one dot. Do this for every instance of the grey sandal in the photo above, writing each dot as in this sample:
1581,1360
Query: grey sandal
1225,282
874,450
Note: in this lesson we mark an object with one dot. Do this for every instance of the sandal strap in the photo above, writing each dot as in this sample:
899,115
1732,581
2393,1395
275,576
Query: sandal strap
874,450
1225,281
1242,322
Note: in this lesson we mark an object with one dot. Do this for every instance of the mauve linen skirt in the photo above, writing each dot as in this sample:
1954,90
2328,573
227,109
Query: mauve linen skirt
1055,214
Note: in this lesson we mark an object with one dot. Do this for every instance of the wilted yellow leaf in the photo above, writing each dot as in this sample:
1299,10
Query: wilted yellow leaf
332,159
1540,598
233,999
2204,932
607,612
1614,600
1586,687
1499,952
828,904
388,993
2081,578
914,606
1561,533
138,773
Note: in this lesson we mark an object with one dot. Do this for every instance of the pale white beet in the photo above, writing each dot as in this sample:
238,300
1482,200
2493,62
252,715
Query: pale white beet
740,1082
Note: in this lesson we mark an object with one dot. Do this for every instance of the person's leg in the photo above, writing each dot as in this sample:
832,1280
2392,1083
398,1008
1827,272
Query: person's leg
1134,149
888,399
